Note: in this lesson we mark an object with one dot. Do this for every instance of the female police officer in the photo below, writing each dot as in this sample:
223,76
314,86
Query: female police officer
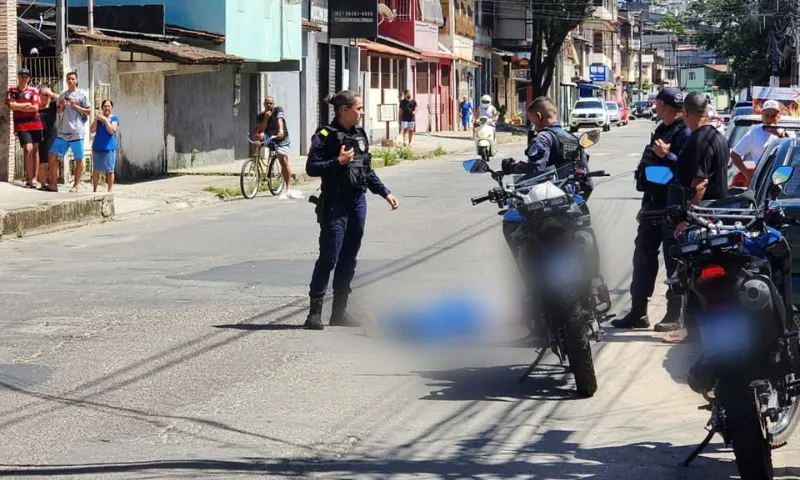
340,155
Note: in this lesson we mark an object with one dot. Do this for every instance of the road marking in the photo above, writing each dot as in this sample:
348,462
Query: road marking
633,154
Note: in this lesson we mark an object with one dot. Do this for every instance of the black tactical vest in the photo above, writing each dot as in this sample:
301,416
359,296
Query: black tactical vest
351,179
567,149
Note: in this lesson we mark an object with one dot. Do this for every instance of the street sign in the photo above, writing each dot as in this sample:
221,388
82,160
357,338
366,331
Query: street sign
387,112
521,74
598,73
353,19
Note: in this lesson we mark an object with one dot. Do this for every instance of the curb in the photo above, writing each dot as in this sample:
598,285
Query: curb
46,217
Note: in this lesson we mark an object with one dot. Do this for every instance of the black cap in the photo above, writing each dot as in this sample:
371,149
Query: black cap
23,72
671,96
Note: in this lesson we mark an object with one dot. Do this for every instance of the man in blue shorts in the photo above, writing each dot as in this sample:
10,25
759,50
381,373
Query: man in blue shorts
272,123
466,112
74,107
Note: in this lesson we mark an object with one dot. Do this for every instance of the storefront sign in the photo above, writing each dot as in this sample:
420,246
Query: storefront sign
789,98
598,73
353,19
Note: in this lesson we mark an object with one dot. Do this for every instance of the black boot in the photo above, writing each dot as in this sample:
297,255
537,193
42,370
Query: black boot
314,318
636,318
672,319
339,315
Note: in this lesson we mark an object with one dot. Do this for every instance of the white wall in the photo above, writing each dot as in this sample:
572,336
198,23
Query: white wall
139,104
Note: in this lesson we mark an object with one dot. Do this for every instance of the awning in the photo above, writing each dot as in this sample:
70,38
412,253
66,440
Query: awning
308,25
380,48
467,60
438,55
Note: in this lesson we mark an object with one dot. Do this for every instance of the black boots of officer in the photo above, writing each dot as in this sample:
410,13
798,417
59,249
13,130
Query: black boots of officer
314,318
637,317
672,319
339,315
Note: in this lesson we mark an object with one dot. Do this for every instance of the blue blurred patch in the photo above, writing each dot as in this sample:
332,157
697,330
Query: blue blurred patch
454,318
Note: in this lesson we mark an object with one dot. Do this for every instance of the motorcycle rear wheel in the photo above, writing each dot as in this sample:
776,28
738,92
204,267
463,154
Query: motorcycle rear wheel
783,429
579,351
745,432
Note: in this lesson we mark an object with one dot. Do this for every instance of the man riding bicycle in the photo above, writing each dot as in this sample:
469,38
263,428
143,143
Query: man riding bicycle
272,125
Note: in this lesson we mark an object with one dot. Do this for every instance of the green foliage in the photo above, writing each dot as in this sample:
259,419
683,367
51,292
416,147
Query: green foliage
439,152
672,24
552,22
405,153
726,28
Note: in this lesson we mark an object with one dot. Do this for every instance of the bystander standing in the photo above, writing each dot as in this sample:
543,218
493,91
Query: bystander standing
104,145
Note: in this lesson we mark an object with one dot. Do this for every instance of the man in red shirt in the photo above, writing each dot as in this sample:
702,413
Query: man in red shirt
24,101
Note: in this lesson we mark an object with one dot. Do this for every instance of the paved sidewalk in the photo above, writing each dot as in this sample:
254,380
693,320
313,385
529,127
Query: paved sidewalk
423,145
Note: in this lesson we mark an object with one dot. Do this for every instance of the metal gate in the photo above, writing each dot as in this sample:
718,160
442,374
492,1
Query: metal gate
447,99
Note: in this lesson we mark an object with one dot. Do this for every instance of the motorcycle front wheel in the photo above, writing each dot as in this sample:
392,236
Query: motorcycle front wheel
579,351
746,431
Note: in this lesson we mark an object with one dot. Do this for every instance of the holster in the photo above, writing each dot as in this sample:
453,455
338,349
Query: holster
649,159
319,206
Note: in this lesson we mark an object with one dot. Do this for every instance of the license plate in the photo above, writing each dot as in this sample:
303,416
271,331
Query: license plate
563,269
724,334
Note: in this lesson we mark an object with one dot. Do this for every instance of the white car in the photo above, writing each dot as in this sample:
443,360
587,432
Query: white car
589,112
614,113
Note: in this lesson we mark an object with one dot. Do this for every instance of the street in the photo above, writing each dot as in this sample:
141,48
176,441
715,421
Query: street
169,347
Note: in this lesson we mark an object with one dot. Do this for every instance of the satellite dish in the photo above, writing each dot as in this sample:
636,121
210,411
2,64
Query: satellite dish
385,13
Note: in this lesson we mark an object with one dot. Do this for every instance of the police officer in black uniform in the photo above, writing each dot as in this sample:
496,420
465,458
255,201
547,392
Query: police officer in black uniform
550,146
340,155
666,143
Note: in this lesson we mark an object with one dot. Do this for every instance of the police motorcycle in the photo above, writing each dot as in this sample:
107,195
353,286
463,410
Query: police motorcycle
547,227
734,275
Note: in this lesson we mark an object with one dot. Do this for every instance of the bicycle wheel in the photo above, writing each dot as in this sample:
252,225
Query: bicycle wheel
250,178
274,176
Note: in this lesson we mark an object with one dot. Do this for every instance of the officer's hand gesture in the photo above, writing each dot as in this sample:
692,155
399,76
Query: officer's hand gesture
345,156
392,201
661,148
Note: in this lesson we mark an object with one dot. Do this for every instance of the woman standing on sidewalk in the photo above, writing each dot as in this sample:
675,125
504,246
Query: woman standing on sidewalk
104,146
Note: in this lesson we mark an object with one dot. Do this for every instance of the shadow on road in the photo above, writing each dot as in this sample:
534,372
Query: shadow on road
550,456
261,326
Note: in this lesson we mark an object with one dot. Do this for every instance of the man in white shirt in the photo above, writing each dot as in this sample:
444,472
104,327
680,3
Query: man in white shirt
755,141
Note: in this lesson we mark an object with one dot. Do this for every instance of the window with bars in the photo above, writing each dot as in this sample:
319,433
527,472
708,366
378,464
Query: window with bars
431,11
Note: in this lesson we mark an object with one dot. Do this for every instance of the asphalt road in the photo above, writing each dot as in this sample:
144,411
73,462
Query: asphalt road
168,347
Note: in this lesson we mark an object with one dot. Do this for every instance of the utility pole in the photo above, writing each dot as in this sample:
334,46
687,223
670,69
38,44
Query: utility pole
90,58
61,40
641,48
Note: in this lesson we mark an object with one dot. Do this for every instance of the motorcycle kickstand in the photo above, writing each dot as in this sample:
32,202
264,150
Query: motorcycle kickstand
535,363
700,447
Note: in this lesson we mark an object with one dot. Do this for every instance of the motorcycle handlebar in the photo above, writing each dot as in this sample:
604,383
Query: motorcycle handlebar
479,199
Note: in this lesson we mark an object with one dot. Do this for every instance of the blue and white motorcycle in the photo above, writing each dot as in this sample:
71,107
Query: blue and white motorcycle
547,226
734,276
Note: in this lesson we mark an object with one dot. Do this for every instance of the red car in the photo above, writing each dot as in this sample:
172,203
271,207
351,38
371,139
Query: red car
623,119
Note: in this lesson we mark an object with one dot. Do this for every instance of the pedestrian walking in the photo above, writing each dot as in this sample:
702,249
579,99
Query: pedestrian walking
340,155
74,107
466,112
24,101
104,146
272,123
665,144
48,112
408,116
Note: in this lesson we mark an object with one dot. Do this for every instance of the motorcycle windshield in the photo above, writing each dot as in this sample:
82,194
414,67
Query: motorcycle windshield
550,174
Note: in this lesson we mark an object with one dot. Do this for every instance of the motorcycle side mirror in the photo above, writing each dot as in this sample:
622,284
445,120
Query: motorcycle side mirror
658,175
476,166
780,176
589,138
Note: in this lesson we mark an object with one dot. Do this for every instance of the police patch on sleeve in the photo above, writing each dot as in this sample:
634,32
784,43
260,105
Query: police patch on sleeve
317,141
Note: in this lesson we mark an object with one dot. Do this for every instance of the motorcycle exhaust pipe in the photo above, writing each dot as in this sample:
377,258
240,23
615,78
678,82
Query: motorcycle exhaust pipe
755,295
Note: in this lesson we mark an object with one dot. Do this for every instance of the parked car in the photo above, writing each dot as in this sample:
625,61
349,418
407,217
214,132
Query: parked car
614,113
623,113
738,112
740,126
783,152
589,112
716,120
641,109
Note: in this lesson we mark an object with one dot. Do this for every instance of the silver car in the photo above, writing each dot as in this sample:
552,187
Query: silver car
614,113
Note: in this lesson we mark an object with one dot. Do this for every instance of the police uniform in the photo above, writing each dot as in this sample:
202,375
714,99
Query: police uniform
651,236
342,212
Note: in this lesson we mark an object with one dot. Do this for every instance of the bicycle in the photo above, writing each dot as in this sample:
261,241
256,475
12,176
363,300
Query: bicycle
267,172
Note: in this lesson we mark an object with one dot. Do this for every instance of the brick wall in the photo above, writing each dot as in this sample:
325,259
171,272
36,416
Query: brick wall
8,57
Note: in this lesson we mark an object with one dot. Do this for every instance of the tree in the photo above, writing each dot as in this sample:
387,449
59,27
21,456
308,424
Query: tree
726,28
552,22
672,24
